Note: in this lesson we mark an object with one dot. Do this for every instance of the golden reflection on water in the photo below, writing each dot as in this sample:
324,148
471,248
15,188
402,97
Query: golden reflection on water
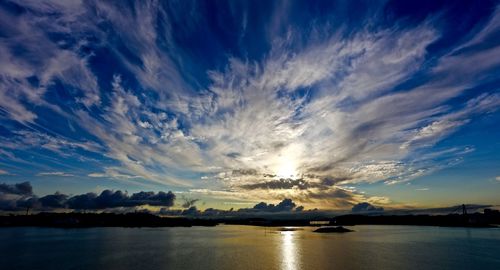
289,252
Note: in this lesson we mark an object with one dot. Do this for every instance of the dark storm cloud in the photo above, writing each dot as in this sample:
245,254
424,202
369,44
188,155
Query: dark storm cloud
83,201
366,207
336,193
242,172
283,183
330,181
15,197
20,196
56,200
111,199
301,183
158,199
7,204
23,188
286,205
29,203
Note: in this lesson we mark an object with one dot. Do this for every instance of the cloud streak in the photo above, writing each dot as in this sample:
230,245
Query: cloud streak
55,174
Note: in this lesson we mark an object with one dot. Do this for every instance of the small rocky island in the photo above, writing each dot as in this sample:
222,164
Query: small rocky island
338,229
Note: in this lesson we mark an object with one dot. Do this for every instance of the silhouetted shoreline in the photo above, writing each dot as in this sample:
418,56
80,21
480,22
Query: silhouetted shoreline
489,219
84,220
452,220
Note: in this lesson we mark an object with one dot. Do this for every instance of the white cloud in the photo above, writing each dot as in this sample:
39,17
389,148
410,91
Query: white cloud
63,174
113,173
42,58
25,139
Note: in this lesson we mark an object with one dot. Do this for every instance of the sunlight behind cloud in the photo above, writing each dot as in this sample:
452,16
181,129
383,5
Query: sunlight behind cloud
287,170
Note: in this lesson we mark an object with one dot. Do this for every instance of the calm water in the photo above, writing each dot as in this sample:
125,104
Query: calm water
246,247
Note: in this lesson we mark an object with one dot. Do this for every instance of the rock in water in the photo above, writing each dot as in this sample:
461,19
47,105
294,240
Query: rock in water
338,229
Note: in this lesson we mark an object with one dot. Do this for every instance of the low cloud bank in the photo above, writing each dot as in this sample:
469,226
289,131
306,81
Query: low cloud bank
366,207
23,189
286,206
17,197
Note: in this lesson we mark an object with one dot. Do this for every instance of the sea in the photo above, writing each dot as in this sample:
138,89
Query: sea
248,247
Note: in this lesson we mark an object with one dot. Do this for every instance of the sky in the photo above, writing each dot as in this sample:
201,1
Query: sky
231,103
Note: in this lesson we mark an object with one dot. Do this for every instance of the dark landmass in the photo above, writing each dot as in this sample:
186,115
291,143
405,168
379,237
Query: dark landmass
338,229
490,218
86,220
420,220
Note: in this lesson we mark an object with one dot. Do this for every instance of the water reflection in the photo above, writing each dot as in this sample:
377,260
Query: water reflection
289,254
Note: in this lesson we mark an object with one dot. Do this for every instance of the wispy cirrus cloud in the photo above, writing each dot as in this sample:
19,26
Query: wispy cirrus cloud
62,174
316,111
113,173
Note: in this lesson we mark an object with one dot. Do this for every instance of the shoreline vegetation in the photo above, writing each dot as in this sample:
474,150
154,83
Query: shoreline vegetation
487,219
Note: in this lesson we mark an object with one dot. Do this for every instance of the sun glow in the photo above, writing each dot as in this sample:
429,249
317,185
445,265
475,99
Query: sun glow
286,170
288,162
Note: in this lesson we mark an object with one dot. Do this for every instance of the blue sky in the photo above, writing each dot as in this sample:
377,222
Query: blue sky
329,103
